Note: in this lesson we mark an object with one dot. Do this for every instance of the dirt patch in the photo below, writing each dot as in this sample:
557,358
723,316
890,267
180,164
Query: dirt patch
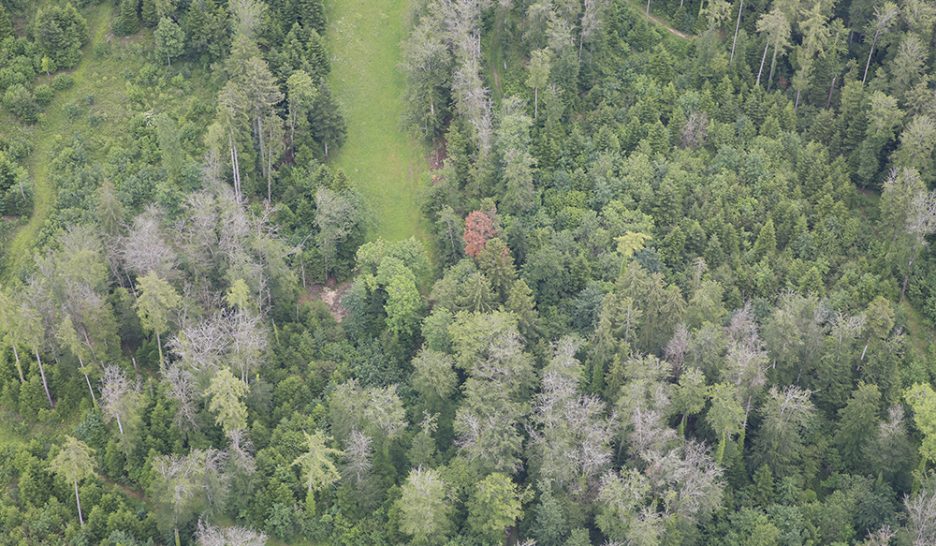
438,154
330,294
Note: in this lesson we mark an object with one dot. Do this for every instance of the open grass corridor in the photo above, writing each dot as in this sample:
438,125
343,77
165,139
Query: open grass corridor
53,126
385,164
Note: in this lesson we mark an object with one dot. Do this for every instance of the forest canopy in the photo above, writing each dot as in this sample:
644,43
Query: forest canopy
665,276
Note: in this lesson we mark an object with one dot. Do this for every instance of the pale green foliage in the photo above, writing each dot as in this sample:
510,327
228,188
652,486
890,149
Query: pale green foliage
336,216
631,243
377,411
226,392
238,295
74,461
157,300
316,464
425,510
183,486
301,93
538,74
725,415
922,399
690,393
493,506
433,375
621,500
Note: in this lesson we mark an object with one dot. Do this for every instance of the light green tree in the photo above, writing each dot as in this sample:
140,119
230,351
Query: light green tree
317,466
434,377
226,393
68,337
156,301
494,505
885,15
30,322
301,93
74,462
425,510
922,398
917,144
337,214
690,395
538,74
238,295
776,25
725,415
909,211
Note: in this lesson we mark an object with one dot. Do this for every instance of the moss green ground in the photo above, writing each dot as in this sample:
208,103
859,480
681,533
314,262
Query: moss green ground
386,164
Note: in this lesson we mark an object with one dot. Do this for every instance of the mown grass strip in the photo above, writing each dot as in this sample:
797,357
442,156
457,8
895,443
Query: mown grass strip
386,164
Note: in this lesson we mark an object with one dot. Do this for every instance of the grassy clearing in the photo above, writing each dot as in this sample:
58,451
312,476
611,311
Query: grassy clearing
46,134
383,161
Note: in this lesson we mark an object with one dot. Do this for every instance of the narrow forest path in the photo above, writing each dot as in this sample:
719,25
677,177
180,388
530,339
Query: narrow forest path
642,10
387,165
45,135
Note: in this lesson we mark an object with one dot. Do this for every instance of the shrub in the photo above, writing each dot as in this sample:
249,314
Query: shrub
63,82
44,94
21,103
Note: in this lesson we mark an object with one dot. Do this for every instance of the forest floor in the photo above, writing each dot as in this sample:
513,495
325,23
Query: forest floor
54,123
387,165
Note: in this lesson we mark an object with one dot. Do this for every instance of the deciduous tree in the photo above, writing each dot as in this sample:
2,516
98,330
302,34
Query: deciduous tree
157,300
316,466
74,463
425,509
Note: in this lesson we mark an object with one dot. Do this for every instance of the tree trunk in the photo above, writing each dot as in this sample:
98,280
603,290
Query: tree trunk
773,66
78,502
269,174
722,443
262,147
90,389
737,27
159,348
648,7
870,54
45,384
535,102
701,5
235,167
906,279
796,102
762,60
292,131
19,366
831,89
90,346
178,541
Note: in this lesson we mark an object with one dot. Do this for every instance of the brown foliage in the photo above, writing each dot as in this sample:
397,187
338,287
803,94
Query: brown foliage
479,227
